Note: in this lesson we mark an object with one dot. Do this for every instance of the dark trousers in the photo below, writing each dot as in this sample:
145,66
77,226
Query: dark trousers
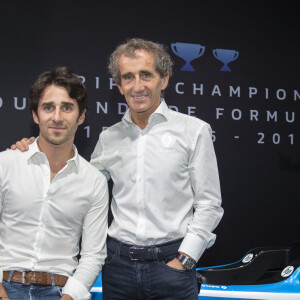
123,279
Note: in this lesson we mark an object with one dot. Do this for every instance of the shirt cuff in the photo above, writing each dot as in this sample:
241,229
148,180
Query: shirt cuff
76,290
193,246
1,275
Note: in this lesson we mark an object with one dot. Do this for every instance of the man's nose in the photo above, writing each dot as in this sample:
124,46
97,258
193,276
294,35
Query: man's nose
138,85
57,115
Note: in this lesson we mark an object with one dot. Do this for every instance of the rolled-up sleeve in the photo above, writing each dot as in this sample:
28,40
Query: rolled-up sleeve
205,183
93,245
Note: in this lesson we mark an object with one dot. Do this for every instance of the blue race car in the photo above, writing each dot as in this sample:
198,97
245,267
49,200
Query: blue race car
269,273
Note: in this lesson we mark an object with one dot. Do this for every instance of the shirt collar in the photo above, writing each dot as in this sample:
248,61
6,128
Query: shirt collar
34,150
162,110
75,158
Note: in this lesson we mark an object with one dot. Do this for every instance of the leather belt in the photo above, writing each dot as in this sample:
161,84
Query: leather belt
30,277
144,253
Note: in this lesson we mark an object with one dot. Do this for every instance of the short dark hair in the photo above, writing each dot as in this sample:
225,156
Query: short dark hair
163,62
60,76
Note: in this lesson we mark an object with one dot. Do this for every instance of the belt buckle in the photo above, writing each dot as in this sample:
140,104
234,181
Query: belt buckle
24,278
131,252
159,253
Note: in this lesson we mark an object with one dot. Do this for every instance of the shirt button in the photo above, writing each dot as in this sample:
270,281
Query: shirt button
139,179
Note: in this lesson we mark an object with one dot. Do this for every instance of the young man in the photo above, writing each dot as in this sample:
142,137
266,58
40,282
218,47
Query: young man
166,193
50,199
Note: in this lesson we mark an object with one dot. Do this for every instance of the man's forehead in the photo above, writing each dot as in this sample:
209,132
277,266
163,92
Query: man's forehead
141,60
55,92
57,95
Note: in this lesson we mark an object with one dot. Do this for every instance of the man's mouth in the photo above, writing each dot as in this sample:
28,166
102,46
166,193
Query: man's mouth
57,128
139,97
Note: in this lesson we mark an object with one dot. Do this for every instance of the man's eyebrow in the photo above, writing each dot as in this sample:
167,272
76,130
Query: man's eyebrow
125,74
62,103
48,103
67,102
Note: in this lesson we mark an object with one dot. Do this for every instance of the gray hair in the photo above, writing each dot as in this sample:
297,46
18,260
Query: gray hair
163,62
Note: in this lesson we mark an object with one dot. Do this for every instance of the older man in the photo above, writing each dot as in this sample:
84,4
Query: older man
166,194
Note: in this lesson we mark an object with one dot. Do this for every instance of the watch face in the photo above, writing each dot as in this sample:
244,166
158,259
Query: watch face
189,264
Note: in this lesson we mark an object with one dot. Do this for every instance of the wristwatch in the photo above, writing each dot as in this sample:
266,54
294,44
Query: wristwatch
187,262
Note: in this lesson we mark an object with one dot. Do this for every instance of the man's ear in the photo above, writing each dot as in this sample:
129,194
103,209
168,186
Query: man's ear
35,118
120,89
165,80
82,117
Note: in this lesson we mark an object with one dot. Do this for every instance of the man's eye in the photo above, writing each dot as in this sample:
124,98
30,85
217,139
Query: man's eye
67,108
146,75
48,108
127,77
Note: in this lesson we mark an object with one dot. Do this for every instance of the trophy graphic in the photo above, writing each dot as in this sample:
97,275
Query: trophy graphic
188,52
225,56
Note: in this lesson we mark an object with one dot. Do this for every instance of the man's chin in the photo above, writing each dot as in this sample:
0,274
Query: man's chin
139,109
55,141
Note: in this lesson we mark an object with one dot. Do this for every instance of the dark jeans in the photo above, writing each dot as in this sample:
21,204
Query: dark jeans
124,279
19,291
